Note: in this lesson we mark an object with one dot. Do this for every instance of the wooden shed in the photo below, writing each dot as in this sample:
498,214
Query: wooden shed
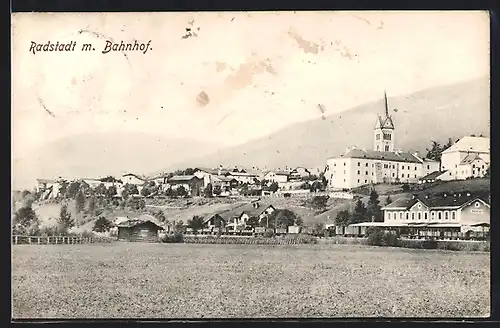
138,230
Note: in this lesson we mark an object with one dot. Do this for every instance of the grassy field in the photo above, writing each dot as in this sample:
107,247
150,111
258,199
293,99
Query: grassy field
125,280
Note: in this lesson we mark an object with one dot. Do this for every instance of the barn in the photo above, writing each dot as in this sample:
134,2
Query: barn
138,230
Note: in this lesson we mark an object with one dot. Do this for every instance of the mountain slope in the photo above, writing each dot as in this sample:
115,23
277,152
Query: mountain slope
100,154
433,114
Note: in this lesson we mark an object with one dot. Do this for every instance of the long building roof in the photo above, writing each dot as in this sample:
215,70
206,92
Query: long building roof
381,155
471,144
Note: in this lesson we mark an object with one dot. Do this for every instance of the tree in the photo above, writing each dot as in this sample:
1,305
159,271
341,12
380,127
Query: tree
79,201
73,189
217,191
435,151
318,229
91,207
111,191
196,223
189,171
25,221
373,208
343,218
169,192
181,191
359,214
319,202
274,187
253,222
208,192
65,222
129,189
448,144
102,225
160,216
101,189
324,181
388,200
281,218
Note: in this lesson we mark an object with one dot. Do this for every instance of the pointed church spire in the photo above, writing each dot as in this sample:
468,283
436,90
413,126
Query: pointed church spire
386,105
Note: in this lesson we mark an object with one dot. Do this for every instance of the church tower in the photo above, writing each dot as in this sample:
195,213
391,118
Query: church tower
383,135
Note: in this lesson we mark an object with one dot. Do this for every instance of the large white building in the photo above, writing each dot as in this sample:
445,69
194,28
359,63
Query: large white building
357,167
468,157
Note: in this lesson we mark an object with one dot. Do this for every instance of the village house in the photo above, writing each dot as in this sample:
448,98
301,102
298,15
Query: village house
277,176
299,173
133,179
357,167
207,174
192,184
213,223
469,157
238,218
138,230
111,181
224,183
242,176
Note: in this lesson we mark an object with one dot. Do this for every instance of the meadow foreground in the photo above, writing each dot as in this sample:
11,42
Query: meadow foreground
134,280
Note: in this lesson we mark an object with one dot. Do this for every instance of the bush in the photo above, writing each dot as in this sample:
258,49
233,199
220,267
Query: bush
430,243
302,238
269,234
175,237
379,237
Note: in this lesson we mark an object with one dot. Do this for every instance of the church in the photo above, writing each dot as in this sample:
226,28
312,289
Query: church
382,164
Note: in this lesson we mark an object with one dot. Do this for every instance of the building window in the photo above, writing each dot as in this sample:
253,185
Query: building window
401,215
344,163
415,168
366,181
433,215
344,180
419,215
477,204
377,136
366,172
387,136
453,215
372,173
393,166
402,167
415,176
358,180
473,166
366,164
344,171
407,216
428,167
439,215
408,176
373,165
482,166
446,215
413,216
385,166
386,148
393,175
359,164
425,216
419,206
334,164
359,172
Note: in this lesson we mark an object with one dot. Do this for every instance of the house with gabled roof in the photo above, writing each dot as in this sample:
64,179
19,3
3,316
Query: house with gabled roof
468,157
134,179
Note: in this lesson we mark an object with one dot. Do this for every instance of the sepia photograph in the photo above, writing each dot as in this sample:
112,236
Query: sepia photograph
260,165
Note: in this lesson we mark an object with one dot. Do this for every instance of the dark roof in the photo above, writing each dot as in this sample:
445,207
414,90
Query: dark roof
136,222
438,201
182,178
212,171
249,209
432,175
381,155
212,216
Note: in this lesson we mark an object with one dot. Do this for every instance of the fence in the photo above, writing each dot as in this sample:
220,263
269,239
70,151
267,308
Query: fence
242,240
58,240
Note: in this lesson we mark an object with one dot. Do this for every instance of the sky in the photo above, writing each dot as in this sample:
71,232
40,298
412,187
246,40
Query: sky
243,76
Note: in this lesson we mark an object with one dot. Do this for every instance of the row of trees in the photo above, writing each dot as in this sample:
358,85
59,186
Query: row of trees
362,213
